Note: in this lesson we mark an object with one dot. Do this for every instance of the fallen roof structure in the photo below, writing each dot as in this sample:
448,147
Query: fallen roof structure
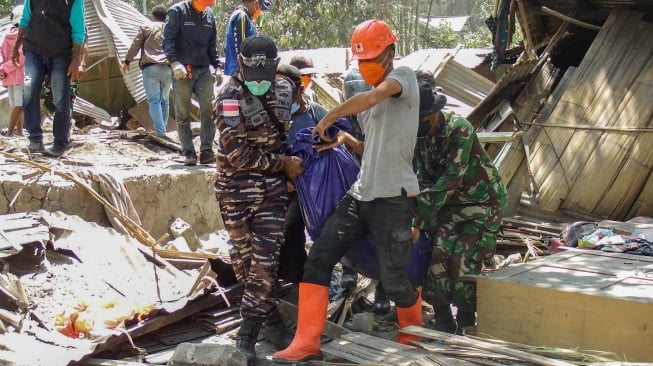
583,106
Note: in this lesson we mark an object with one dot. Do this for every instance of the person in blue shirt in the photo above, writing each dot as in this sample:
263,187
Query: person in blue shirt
241,26
53,48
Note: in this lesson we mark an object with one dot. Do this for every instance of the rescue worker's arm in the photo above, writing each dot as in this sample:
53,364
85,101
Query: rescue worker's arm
241,154
240,27
22,28
137,44
356,104
15,52
434,195
213,50
170,32
78,34
343,138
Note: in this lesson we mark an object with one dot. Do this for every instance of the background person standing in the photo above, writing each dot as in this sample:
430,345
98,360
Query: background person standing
13,76
52,34
240,26
189,43
157,76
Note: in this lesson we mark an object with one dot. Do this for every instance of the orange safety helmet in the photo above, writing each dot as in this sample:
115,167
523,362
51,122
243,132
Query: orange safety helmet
370,38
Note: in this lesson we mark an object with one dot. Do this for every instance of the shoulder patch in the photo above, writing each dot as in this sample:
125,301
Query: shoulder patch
232,121
230,108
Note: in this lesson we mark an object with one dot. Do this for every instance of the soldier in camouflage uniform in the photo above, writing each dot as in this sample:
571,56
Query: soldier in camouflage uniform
460,204
252,114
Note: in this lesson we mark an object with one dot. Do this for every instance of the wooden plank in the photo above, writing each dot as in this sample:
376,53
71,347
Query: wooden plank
452,339
551,174
606,152
524,111
34,234
576,299
18,223
632,171
590,100
545,317
7,245
643,204
489,137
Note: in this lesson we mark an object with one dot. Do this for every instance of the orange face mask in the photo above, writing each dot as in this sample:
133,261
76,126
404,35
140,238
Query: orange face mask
372,72
199,7
306,79
257,13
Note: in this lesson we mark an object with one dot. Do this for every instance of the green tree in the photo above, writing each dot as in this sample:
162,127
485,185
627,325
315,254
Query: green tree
6,6
302,24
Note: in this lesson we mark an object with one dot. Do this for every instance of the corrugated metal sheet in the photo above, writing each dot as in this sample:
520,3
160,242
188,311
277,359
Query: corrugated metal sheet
430,58
493,99
99,39
463,87
117,23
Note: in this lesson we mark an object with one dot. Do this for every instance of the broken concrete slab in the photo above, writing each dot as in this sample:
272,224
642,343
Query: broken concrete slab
159,186
206,354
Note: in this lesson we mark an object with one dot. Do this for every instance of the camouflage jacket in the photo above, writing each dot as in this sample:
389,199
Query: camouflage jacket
453,169
251,144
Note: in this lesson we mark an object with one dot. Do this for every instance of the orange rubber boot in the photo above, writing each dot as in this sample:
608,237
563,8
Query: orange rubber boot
311,317
411,315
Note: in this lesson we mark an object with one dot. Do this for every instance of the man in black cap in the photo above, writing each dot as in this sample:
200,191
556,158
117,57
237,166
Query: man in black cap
460,204
253,166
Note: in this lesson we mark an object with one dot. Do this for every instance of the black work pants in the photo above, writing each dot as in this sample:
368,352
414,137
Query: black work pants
293,250
388,221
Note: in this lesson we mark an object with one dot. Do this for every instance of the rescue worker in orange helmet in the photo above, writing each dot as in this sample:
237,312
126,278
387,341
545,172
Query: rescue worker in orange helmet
380,203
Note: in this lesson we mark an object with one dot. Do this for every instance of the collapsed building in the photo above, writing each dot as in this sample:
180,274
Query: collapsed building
566,116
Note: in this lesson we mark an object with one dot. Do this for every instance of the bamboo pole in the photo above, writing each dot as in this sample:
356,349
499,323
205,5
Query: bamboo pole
136,230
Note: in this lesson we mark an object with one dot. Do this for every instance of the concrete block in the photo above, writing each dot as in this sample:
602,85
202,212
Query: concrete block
158,194
179,227
207,354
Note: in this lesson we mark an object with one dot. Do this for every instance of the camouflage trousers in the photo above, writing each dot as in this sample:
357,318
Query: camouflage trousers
255,228
465,237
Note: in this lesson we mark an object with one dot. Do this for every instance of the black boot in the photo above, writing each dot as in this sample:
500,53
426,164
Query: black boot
247,337
444,320
349,278
465,319
381,304
276,331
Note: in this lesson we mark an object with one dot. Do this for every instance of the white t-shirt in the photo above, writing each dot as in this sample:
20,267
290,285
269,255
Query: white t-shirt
390,137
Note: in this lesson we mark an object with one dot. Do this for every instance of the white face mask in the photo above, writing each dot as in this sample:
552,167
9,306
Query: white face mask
294,108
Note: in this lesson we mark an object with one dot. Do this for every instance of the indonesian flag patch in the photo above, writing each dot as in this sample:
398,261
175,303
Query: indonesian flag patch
230,108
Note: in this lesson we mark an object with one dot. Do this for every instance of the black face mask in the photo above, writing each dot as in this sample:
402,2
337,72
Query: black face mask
423,128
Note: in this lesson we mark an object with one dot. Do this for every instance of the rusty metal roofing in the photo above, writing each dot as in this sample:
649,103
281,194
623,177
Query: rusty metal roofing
112,25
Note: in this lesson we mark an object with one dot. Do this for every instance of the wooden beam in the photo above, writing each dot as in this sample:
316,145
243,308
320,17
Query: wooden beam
489,137
548,11
452,339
